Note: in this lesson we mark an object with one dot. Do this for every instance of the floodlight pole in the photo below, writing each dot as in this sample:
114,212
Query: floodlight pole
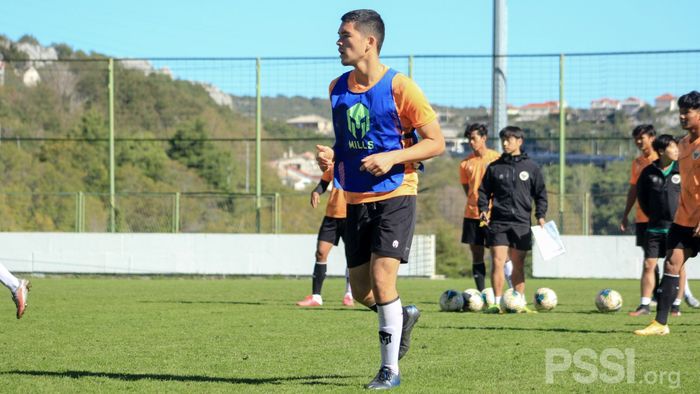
258,149
112,203
499,115
562,144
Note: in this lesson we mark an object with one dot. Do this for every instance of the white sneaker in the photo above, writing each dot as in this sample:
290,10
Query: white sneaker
692,301
20,297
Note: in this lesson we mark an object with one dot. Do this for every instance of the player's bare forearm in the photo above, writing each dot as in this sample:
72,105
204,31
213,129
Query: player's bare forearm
432,144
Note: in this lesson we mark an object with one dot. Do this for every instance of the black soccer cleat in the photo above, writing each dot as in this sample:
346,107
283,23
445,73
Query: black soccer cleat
410,317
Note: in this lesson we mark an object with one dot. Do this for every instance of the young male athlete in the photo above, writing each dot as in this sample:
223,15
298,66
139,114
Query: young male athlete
643,136
684,234
508,189
18,287
331,231
471,170
658,191
376,112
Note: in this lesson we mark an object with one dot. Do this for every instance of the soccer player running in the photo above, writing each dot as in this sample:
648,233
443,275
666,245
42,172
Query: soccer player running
376,112
329,234
471,171
684,235
658,191
508,189
18,287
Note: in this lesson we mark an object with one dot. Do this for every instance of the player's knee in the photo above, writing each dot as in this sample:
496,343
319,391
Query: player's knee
649,265
321,257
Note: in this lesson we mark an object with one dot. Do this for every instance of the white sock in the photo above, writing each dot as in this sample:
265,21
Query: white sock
10,281
348,290
497,301
317,298
677,302
687,291
390,325
646,300
508,272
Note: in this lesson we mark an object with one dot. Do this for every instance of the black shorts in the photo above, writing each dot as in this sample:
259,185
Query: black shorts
681,237
507,234
473,233
655,245
383,227
332,230
640,232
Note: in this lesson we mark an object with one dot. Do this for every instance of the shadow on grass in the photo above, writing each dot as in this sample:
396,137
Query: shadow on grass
552,329
307,380
205,302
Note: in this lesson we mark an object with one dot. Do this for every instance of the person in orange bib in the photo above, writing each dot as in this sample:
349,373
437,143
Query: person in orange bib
684,235
471,171
332,230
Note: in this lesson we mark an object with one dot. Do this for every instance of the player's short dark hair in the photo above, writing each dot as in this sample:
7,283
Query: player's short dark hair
643,129
689,100
478,127
511,131
662,142
369,22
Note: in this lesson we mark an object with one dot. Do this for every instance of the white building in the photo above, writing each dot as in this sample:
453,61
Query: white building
666,103
632,105
298,171
312,122
606,104
534,111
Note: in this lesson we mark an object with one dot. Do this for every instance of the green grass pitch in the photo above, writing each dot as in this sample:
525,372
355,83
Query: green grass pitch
111,334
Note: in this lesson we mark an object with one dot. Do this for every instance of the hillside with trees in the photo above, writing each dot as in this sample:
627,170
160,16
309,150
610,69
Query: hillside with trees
173,137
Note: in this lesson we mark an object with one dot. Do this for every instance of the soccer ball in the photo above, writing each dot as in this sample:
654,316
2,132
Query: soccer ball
488,297
608,300
451,301
545,299
472,300
512,301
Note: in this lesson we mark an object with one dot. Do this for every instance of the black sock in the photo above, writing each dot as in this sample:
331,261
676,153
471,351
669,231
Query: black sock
479,271
656,281
668,290
318,278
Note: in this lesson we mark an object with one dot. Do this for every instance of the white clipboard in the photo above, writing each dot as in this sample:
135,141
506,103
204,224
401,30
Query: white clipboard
548,241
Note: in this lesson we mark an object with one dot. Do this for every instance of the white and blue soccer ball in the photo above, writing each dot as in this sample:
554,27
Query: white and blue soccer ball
513,301
608,300
451,301
472,300
545,299
488,297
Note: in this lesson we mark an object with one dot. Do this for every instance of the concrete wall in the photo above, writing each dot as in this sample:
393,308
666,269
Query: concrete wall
234,254
598,257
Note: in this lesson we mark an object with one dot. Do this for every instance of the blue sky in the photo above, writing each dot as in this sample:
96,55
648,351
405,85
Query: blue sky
206,28
266,28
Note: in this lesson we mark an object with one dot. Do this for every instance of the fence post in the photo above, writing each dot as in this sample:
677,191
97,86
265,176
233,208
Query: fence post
258,149
176,213
77,212
586,213
410,66
278,214
112,202
562,143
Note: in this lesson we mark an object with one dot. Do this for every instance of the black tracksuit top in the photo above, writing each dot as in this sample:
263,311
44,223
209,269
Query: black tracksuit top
658,195
511,183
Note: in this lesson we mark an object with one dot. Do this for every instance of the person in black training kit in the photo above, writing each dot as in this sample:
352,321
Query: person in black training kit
510,184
